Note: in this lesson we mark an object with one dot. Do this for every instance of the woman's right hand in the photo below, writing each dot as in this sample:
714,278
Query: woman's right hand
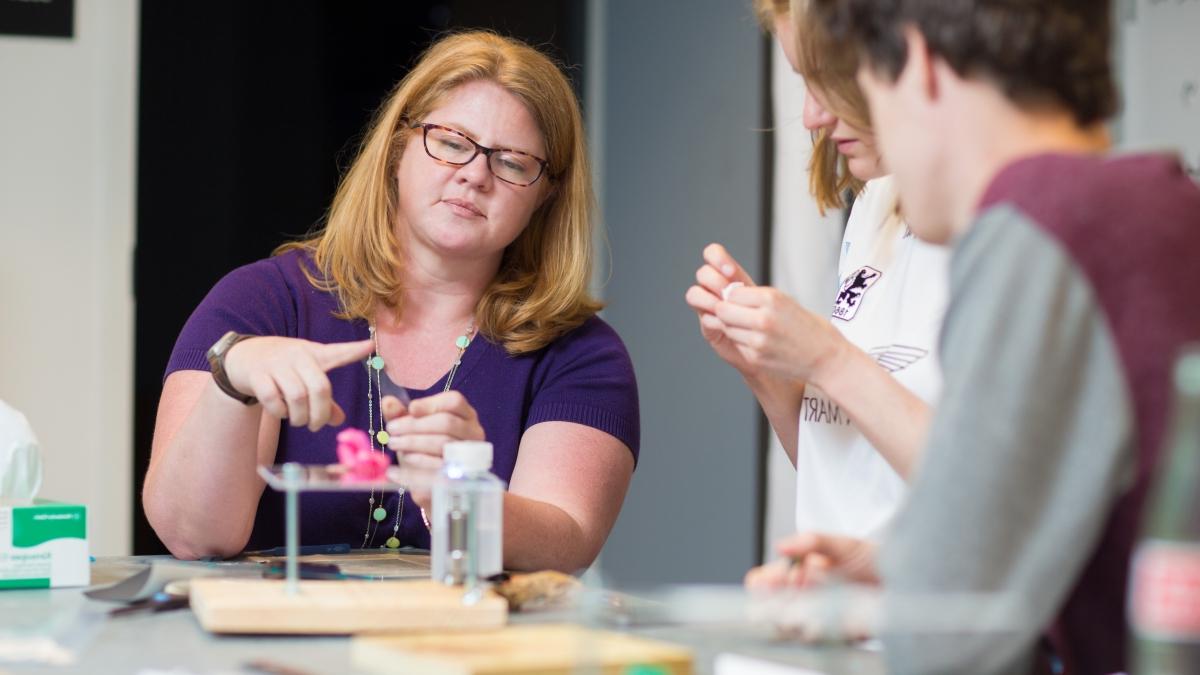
420,431
287,376
719,271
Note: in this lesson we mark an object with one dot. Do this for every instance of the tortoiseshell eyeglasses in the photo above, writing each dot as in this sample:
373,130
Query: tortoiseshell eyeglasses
454,147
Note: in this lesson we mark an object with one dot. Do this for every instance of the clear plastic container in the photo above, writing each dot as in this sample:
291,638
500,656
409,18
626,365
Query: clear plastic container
468,512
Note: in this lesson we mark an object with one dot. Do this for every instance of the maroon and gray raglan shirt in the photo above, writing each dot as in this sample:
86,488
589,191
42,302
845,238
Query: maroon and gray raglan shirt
1071,295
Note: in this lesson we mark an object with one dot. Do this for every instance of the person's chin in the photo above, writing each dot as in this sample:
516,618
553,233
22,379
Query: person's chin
457,248
447,237
864,168
931,229
459,244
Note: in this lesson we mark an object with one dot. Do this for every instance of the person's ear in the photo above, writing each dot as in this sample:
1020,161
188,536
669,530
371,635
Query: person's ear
548,191
921,67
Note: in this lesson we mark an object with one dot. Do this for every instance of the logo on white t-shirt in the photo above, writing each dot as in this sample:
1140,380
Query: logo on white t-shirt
897,357
853,289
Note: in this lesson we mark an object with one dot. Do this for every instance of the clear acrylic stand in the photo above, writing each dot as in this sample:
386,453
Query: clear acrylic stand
293,478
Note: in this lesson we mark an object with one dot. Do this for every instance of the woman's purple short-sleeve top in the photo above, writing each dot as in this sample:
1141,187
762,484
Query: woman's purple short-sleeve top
584,377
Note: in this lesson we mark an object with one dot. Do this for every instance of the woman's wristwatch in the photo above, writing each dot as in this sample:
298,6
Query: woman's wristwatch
216,363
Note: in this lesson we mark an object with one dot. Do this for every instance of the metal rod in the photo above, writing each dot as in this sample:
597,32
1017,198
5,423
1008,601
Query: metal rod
474,592
291,479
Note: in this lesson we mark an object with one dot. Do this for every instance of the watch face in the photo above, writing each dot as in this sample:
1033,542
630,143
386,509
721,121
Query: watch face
218,350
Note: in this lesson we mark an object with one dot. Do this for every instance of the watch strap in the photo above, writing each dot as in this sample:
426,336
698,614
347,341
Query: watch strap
216,362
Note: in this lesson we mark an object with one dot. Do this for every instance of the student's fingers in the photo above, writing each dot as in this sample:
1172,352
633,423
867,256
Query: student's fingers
420,463
800,544
700,299
264,389
449,402
748,340
418,472
295,394
737,316
767,577
333,355
423,444
755,296
337,416
447,424
795,575
722,261
851,557
710,322
320,395
392,408
756,579
708,278
816,568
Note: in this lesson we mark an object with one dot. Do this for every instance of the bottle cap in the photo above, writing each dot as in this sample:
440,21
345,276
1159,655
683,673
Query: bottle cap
470,455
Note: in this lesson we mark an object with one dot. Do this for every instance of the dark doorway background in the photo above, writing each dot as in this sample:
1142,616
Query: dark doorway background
247,113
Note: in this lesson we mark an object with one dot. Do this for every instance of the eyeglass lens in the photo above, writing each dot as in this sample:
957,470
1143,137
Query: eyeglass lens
453,148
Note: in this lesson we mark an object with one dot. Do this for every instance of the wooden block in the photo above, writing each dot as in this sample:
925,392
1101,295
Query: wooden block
263,606
550,649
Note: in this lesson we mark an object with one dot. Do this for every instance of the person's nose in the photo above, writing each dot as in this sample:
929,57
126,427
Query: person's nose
815,115
476,173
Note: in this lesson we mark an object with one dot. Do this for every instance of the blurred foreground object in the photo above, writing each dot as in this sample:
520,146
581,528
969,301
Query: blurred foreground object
1164,604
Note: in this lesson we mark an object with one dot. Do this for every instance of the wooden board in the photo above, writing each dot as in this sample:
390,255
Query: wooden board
551,649
263,606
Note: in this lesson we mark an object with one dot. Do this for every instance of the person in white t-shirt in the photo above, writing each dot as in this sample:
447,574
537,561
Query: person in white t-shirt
847,395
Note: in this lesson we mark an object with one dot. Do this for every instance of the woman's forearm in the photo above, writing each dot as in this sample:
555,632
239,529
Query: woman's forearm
780,400
541,536
201,491
895,420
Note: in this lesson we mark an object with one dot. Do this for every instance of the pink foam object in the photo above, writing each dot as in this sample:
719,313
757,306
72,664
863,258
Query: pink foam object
361,461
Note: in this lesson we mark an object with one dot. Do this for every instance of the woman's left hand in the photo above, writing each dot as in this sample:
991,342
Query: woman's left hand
777,336
418,433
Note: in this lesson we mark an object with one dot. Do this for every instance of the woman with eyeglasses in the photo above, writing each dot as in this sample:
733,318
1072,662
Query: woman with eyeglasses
455,258
847,395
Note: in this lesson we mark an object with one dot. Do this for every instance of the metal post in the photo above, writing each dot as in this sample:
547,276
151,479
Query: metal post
291,480
473,592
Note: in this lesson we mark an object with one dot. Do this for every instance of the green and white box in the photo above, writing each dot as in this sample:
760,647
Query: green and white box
43,545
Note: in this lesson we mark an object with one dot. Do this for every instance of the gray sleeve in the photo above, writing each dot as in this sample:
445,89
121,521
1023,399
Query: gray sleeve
1030,446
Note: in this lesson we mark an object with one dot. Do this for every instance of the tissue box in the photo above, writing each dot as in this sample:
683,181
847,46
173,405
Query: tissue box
43,545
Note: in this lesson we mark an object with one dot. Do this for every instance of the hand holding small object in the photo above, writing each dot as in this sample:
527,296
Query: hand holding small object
791,587
716,279
826,556
420,429
776,336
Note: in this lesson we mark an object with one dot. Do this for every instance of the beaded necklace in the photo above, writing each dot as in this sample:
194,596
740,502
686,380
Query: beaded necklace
375,364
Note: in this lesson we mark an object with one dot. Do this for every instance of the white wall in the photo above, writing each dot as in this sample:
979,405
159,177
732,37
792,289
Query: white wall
1159,57
67,139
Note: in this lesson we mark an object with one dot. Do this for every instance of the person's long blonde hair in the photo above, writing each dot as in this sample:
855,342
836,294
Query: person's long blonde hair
831,69
541,288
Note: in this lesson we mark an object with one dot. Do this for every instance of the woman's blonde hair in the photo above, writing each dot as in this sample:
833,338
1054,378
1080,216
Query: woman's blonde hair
541,288
831,69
